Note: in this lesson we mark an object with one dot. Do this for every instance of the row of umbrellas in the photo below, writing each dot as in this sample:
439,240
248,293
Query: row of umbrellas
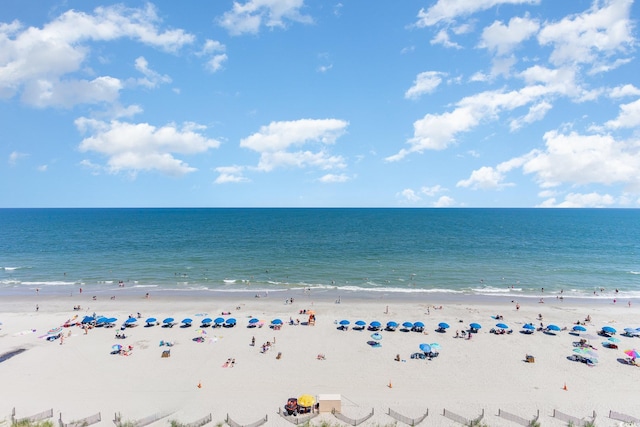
377,324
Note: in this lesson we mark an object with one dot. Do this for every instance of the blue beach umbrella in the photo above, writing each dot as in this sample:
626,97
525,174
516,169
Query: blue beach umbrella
230,321
253,320
502,326
443,325
151,320
187,321
344,322
435,346
408,325
392,324
88,319
609,329
375,324
418,325
553,328
168,320
425,347
218,320
130,320
207,321
101,320
528,326
614,339
376,336
579,328
475,325
276,322
361,323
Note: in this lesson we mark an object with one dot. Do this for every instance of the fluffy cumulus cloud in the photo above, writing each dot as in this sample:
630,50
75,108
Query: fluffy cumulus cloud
425,83
503,39
411,196
297,144
589,38
214,50
448,10
250,16
577,200
135,147
45,65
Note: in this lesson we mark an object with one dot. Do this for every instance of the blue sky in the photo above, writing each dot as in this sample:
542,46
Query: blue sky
313,103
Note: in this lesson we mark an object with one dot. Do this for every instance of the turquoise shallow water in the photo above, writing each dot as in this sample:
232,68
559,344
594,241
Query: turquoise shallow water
577,252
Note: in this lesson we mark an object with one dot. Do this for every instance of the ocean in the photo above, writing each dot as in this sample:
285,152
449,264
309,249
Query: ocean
590,253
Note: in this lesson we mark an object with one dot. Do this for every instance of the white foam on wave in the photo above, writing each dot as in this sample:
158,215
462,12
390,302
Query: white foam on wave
48,283
634,272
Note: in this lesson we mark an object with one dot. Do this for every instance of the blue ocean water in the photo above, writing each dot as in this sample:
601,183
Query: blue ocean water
475,251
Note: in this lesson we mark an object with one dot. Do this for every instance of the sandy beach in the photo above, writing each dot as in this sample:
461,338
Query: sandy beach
80,377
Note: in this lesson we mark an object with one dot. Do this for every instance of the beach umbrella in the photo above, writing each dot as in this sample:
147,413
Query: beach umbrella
392,324
344,322
579,328
376,336
230,321
306,400
102,320
276,322
407,325
609,329
632,353
116,347
207,321
418,325
502,326
187,321
130,321
585,352
54,331
151,320
425,348
253,320
443,325
614,339
435,346
88,319
553,328
375,324
475,325
630,331
361,323
528,326
168,320
218,320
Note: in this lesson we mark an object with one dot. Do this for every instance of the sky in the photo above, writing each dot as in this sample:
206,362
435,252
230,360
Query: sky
320,103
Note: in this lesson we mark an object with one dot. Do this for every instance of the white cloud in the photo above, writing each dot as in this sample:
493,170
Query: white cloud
425,82
43,168
216,50
41,63
151,78
503,39
484,178
231,174
590,37
15,156
444,202
409,195
438,131
331,178
629,116
249,16
274,141
623,91
536,113
577,200
432,191
442,37
142,147
584,159
449,10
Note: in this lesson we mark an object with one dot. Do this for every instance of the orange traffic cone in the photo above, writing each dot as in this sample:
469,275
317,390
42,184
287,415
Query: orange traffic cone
565,387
